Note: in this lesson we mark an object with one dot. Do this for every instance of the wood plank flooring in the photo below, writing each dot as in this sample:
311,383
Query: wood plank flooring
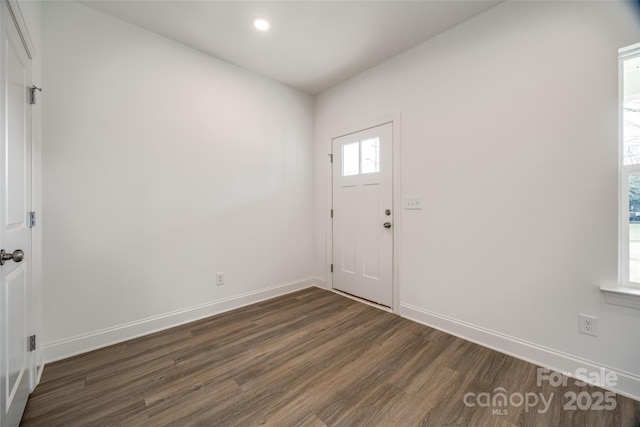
311,358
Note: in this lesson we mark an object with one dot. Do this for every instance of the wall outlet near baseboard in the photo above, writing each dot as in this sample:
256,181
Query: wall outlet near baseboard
588,325
219,279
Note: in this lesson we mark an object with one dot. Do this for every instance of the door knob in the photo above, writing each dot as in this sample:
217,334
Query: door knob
387,225
16,256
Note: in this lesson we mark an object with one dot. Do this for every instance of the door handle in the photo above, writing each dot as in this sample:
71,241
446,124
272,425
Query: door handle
387,225
16,256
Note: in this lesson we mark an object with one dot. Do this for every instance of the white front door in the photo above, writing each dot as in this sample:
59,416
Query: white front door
362,214
15,234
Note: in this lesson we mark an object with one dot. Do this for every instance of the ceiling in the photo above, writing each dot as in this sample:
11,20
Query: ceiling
311,46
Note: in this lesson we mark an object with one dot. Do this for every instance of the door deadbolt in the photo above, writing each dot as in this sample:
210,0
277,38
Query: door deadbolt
387,212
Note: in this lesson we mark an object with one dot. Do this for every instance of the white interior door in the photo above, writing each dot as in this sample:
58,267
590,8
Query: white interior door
15,234
362,214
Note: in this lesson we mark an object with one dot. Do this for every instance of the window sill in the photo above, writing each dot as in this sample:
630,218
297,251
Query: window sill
624,296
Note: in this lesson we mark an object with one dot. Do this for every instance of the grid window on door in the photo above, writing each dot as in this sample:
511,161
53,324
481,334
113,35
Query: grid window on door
351,159
370,149
361,157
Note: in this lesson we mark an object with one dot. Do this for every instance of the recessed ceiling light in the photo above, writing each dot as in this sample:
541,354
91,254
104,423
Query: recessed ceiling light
261,24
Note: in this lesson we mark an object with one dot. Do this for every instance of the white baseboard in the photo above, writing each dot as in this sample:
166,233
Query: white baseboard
87,342
627,384
39,371
320,282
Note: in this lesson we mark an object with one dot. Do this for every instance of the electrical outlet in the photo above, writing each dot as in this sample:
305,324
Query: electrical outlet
219,278
588,325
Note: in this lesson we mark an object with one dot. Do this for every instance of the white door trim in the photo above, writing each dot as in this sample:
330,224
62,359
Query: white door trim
21,25
13,6
394,119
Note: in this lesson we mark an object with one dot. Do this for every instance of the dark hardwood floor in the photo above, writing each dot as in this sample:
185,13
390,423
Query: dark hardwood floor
311,358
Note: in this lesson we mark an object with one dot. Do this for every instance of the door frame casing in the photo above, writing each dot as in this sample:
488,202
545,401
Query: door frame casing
394,119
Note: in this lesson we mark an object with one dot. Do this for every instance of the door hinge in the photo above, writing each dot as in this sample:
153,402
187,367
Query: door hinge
332,268
331,213
32,343
31,219
331,158
32,94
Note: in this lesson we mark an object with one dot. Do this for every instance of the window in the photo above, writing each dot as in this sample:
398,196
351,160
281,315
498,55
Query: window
630,165
361,157
351,159
370,155
626,292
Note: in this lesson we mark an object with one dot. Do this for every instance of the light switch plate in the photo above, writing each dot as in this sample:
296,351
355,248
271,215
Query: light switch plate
412,203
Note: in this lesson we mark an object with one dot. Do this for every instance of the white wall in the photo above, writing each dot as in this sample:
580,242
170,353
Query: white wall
509,133
163,166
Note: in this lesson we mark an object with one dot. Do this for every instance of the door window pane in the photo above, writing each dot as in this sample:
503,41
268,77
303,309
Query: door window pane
371,155
351,159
